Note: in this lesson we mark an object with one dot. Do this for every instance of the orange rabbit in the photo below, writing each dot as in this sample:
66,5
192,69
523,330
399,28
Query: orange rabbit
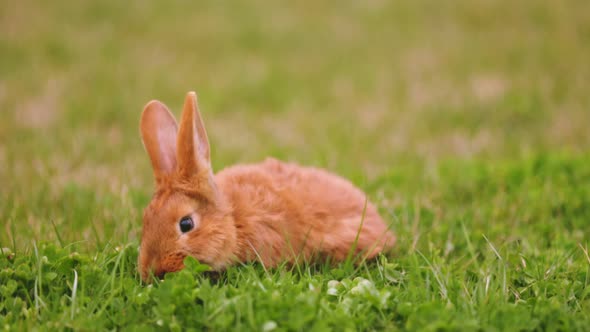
269,212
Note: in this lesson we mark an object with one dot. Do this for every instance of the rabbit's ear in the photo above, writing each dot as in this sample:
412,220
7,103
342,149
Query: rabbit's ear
193,145
158,132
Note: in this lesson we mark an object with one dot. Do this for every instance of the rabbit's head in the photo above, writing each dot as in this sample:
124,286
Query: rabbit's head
187,214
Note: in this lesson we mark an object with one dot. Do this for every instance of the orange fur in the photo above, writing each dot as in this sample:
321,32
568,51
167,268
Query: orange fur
269,212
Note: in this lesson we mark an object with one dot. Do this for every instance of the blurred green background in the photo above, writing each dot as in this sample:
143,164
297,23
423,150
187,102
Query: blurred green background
382,92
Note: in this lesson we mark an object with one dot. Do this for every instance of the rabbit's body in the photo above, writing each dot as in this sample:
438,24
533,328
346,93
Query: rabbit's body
283,211
271,212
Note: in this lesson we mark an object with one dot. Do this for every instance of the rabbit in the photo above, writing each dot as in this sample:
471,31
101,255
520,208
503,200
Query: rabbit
270,212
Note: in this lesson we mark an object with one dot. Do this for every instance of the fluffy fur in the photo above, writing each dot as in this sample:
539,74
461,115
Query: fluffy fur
269,212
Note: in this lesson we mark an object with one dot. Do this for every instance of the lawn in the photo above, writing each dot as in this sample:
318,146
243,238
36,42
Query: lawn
466,122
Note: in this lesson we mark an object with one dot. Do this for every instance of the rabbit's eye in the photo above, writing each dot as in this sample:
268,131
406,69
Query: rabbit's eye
186,224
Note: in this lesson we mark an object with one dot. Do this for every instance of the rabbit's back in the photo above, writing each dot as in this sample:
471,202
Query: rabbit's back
283,210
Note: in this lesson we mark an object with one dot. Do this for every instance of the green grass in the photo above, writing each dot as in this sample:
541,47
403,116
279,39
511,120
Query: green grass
466,123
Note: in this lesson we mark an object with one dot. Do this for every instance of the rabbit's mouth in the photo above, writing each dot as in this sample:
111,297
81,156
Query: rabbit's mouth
170,263
202,260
